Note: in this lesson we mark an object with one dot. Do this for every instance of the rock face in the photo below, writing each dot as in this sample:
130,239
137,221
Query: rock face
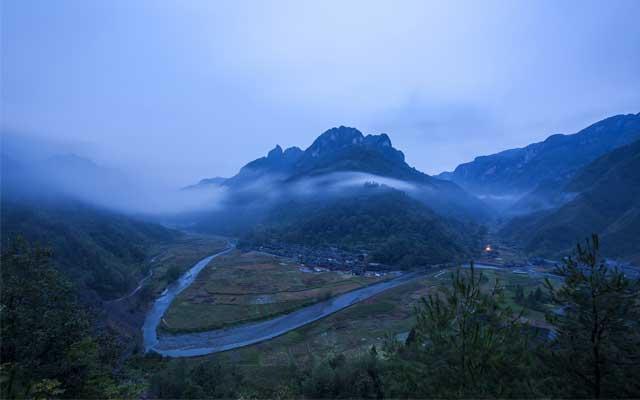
551,162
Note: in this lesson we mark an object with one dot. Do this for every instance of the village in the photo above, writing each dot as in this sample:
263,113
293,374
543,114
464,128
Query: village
320,259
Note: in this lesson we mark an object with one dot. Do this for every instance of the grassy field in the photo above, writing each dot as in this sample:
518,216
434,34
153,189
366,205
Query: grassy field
357,328
248,286
181,254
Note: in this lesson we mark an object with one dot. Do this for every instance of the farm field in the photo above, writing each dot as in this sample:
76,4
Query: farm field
248,286
389,315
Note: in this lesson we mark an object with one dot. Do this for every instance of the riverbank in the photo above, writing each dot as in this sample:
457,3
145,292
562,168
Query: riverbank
197,344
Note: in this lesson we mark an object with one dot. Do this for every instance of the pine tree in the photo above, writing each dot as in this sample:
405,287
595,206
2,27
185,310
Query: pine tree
465,343
596,352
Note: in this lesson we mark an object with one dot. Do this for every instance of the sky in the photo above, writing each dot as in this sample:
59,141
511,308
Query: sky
182,90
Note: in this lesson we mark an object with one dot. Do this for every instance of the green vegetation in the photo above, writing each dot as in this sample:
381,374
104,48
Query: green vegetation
607,202
47,348
398,229
466,341
242,287
597,349
464,334
96,249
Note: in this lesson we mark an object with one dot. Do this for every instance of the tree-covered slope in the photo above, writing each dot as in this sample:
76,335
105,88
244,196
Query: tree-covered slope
97,249
392,226
607,202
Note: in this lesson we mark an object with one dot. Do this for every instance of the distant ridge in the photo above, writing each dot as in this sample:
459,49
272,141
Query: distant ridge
551,162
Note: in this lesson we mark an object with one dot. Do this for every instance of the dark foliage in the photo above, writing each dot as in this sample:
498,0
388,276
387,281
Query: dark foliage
47,349
398,229
606,201
596,352
97,249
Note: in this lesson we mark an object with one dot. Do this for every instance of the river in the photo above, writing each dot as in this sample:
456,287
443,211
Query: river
201,343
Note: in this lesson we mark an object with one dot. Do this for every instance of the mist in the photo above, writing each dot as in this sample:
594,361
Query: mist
36,170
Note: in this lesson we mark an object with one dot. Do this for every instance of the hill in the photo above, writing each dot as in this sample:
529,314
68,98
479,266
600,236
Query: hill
50,203
540,168
339,159
393,227
606,201
98,250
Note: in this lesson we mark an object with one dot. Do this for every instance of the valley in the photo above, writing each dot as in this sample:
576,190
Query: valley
319,199
237,298
242,287
330,254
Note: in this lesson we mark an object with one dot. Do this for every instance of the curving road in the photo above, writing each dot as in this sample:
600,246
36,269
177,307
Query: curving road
201,343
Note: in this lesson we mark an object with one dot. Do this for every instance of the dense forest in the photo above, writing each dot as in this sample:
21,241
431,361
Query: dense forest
49,348
397,228
101,251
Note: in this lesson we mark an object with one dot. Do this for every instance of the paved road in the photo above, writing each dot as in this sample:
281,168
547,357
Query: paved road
201,343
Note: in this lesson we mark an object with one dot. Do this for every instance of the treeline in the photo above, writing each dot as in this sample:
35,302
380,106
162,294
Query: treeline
402,230
468,343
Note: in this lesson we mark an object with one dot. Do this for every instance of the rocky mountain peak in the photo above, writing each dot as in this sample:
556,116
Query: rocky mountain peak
275,153
334,139
292,153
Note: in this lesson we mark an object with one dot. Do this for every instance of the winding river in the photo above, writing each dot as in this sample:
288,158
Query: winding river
201,343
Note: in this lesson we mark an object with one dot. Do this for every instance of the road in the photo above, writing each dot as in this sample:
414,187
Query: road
140,283
201,343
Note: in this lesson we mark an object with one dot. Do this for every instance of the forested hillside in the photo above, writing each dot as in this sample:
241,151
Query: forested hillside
397,229
607,202
97,249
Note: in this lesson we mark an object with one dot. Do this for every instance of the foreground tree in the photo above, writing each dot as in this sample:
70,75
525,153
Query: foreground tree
465,343
46,349
596,351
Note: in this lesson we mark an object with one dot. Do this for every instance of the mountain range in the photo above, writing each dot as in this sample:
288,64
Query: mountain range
347,190
522,178
560,191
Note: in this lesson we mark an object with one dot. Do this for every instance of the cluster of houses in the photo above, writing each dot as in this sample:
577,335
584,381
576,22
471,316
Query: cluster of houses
318,259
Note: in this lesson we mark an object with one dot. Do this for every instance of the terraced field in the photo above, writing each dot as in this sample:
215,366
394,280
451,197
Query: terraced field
241,287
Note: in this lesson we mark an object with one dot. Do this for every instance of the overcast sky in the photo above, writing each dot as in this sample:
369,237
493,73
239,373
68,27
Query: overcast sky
189,89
